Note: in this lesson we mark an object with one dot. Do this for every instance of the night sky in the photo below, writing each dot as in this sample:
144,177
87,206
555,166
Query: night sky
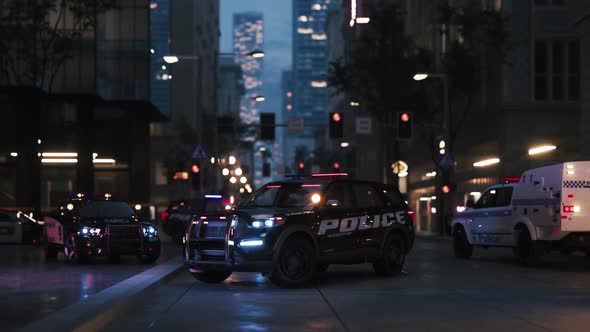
277,41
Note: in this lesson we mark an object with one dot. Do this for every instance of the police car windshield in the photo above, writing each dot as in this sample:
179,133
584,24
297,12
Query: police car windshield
105,210
282,196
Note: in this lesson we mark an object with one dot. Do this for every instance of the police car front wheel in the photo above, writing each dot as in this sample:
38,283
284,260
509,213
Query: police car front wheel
393,257
295,263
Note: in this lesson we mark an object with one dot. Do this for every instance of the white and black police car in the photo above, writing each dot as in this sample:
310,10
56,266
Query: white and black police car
83,228
291,229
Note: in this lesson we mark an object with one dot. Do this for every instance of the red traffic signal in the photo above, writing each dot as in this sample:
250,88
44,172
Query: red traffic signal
195,169
336,117
446,189
336,165
405,117
301,165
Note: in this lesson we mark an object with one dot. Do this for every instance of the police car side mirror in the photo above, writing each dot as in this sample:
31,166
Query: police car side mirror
470,204
332,203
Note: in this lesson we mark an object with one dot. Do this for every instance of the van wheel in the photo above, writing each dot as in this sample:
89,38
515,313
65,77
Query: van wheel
461,246
295,263
211,277
529,252
393,257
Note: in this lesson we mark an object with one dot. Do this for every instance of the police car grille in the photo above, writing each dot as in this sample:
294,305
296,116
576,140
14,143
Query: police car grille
123,232
213,230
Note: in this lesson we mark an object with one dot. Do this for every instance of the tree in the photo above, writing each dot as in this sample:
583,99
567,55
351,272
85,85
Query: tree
37,37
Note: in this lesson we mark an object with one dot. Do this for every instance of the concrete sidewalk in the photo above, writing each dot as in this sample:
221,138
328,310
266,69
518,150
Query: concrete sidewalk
97,311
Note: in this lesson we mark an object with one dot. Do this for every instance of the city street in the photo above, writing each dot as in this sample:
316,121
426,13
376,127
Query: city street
31,288
437,292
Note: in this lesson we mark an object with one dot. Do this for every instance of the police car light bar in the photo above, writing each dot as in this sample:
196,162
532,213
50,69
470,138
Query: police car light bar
213,196
329,174
511,179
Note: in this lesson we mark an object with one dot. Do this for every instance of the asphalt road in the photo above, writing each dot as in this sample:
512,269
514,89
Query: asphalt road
31,288
437,292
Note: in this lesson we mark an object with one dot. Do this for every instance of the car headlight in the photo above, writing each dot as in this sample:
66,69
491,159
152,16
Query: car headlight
149,231
267,222
89,231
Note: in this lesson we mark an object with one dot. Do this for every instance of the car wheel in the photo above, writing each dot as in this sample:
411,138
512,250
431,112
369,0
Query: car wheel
461,246
295,263
72,253
528,251
211,277
393,257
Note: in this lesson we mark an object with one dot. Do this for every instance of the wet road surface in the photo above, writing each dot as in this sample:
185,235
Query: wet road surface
437,292
31,288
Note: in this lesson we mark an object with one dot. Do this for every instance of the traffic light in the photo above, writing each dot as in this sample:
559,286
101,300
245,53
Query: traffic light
336,167
336,125
195,176
447,186
301,168
404,125
267,126
266,170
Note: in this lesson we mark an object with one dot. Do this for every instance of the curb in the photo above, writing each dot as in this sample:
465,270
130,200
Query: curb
99,310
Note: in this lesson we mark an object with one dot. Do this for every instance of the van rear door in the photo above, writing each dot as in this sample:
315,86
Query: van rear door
575,197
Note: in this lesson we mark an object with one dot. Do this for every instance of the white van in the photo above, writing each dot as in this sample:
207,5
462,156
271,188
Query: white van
547,209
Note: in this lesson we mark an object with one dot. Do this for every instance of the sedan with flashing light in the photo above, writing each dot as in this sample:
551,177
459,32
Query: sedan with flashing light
290,230
82,229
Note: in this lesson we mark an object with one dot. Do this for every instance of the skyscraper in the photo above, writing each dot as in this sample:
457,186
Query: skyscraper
159,39
248,36
309,69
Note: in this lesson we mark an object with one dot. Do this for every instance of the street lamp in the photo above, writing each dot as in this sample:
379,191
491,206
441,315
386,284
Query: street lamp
173,58
259,98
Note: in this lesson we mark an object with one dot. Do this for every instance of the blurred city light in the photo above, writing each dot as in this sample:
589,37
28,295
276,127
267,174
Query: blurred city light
541,149
238,171
420,76
232,160
487,162
225,172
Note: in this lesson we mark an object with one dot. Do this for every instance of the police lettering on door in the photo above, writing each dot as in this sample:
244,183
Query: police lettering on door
347,225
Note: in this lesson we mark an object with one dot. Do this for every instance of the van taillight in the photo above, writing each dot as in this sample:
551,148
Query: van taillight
568,208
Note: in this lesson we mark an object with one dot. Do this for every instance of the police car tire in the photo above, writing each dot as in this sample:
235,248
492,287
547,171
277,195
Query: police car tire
211,277
528,251
386,266
461,247
294,248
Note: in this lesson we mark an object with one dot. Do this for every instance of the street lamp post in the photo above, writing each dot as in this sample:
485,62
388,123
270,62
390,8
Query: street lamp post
444,202
174,58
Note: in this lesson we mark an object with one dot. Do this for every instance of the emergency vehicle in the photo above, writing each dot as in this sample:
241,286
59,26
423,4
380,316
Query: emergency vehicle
547,209
291,229
83,228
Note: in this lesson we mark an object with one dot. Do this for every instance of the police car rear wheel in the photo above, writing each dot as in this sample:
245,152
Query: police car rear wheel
295,263
393,257
211,277
461,246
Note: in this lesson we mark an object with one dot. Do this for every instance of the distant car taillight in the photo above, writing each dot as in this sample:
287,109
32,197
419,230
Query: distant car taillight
165,215
571,208
413,215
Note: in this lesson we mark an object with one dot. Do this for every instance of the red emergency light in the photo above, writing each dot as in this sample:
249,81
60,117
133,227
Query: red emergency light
511,179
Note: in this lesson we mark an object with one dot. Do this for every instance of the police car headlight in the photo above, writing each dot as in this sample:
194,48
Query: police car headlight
267,222
149,231
89,231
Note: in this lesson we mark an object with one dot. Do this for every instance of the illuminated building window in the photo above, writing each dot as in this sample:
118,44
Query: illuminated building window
319,84
316,36
305,31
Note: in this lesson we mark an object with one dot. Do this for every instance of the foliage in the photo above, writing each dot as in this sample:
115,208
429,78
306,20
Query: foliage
38,36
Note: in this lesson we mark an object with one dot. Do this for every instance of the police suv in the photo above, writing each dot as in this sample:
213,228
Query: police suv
291,229
82,228
547,209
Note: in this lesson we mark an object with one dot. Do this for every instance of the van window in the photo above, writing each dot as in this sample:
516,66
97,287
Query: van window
503,196
487,200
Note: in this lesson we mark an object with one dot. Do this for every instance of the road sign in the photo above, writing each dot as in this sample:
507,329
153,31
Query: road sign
199,152
295,125
364,125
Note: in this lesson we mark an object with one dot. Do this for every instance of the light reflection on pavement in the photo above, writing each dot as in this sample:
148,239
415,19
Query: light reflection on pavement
31,288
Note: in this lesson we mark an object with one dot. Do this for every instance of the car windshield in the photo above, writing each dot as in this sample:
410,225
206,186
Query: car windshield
283,196
105,210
